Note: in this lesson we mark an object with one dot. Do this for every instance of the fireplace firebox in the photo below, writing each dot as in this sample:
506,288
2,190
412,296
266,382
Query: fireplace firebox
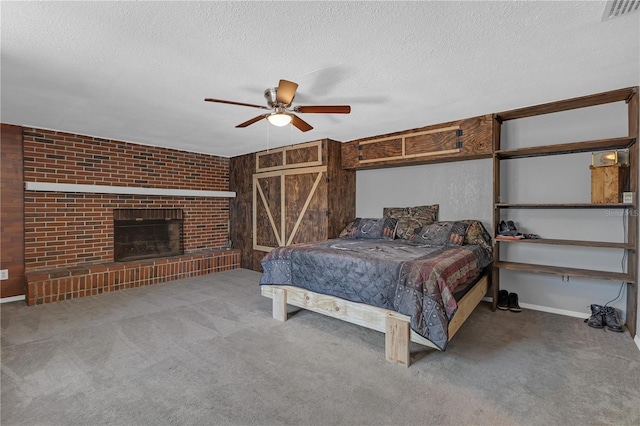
146,233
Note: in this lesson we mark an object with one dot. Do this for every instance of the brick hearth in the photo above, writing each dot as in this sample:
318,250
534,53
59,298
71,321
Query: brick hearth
88,280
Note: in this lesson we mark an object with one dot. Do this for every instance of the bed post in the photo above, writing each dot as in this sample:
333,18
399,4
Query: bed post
396,341
279,304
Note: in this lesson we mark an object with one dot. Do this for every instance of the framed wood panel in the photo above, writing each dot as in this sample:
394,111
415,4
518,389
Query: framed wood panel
454,141
289,206
301,155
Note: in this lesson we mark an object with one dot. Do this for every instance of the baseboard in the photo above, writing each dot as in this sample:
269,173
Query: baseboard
12,299
637,340
548,309
554,310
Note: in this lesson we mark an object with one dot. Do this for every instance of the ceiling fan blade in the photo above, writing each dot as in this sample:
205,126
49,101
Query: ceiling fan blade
300,123
323,109
253,120
220,101
286,92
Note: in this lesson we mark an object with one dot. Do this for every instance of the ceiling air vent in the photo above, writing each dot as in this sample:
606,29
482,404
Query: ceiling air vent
618,8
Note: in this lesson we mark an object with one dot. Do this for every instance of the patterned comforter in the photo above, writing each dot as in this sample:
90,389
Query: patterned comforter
414,280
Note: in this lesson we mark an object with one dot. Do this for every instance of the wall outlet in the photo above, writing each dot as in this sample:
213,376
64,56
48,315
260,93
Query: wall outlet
4,274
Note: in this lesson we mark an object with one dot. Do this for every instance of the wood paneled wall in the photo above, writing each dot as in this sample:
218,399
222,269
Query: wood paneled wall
12,211
337,202
241,170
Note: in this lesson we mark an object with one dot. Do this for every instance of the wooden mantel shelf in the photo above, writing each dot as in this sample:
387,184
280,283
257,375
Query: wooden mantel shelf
129,190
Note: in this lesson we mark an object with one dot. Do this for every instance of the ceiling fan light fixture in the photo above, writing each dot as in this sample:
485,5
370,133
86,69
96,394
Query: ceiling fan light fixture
279,119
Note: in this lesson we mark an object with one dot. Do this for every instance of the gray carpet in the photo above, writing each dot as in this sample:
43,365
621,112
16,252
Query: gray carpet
206,351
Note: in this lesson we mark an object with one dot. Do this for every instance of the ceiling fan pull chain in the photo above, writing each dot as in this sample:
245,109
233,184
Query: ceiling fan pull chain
290,135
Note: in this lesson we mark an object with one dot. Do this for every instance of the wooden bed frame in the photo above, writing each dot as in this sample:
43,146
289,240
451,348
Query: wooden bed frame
396,326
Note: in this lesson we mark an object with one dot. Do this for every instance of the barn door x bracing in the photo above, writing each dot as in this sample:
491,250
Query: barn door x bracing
289,206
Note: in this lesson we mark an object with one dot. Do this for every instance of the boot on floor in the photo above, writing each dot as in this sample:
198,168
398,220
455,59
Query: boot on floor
611,320
503,300
596,320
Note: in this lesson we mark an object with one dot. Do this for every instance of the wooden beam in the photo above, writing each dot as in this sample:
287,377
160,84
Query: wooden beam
568,104
396,338
269,215
279,304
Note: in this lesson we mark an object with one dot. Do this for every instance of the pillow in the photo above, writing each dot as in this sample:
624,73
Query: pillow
477,234
458,233
441,234
347,230
411,218
384,228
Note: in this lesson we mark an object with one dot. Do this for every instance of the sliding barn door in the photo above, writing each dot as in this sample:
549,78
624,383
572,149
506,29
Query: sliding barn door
289,206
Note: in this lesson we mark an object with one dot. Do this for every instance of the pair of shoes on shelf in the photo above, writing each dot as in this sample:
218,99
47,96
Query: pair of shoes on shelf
507,228
508,301
604,316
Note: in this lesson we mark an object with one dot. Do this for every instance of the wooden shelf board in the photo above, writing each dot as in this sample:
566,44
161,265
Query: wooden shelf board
563,206
567,272
578,243
568,104
567,148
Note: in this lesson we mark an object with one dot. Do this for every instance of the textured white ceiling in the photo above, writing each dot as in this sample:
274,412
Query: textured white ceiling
139,71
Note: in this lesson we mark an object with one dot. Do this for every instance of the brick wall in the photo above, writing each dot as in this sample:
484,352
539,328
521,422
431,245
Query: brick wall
65,229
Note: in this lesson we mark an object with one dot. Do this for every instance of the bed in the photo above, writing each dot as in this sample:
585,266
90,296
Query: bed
415,286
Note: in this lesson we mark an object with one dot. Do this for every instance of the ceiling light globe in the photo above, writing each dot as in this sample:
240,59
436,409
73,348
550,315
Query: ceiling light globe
279,119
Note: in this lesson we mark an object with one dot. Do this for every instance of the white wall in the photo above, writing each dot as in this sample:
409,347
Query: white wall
464,191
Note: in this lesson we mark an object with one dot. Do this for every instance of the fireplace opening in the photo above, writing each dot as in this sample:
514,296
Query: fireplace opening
146,233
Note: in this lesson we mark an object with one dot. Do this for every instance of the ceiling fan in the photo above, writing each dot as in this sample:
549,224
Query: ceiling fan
279,100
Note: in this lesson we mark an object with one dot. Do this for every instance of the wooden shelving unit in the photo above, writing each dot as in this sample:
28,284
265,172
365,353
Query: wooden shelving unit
628,95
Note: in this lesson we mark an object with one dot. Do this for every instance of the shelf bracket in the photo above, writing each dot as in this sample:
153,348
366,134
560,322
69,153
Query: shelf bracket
633,92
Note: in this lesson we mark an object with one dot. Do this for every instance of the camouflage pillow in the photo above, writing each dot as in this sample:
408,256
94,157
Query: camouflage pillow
477,234
412,218
384,228
441,234
347,230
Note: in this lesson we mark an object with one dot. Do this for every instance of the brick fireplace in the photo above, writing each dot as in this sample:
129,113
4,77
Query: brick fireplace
146,234
70,237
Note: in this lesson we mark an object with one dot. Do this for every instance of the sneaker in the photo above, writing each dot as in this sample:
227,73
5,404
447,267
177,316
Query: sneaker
503,228
508,229
611,320
503,300
513,303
